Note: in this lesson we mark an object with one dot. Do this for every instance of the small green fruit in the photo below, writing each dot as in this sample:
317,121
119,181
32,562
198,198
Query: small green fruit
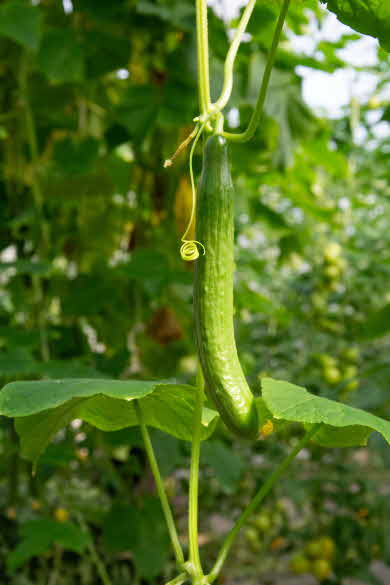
327,547
253,539
332,251
327,360
332,375
300,564
321,569
332,272
351,386
313,549
350,372
262,522
251,534
351,354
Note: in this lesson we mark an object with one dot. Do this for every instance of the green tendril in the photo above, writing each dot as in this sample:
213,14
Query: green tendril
189,249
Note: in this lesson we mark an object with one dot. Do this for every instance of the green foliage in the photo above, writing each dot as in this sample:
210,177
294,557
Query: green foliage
38,537
21,22
140,530
43,408
376,324
226,465
348,426
370,17
60,56
92,287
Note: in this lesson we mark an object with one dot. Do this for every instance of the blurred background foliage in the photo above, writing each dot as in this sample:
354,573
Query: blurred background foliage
94,97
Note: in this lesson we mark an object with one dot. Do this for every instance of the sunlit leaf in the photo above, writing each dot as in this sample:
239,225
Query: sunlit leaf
345,426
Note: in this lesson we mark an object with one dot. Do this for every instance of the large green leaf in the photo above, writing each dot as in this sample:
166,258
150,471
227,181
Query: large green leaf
30,397
140,530
370,17
38,536
42,408
344,426
21,22
61,56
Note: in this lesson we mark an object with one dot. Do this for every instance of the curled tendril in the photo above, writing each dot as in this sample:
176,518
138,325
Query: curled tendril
189,250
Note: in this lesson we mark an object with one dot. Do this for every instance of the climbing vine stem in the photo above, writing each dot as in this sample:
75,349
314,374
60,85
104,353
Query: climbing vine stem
258,498
258,112
203,55
231,56
194,557
159,486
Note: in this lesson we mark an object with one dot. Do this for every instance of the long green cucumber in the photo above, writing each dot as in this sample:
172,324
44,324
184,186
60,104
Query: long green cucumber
225,383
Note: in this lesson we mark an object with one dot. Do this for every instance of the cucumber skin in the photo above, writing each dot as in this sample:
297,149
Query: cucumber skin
225,383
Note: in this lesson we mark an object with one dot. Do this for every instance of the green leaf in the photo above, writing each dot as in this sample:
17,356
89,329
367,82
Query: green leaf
61,56
21,22
25,398
105,52
284,104
169,408
345,426
370,17
226,465
376,324
138,110
38,536
142,531
152,549
42,408
17,362
176,12
37,430
121,527
168,451
76,157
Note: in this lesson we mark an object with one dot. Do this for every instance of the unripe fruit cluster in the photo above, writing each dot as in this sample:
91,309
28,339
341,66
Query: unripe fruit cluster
316,558
342,369
334,264
262,524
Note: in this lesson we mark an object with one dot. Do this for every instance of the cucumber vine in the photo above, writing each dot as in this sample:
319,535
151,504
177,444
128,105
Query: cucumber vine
211,120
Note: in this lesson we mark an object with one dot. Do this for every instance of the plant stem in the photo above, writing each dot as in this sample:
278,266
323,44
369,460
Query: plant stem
57,563
178,580
193,541
231,56
32,142
36,189
13,466
258,112
263,491
159,485
101,569
203,55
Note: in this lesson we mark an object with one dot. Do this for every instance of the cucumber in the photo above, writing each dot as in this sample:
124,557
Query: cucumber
225,383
